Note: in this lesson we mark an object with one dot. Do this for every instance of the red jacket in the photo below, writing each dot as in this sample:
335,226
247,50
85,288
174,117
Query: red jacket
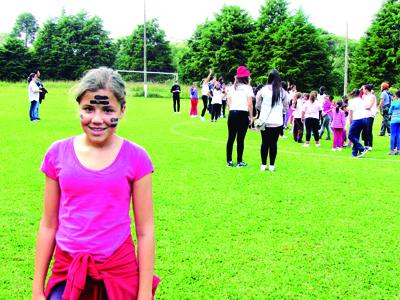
119,274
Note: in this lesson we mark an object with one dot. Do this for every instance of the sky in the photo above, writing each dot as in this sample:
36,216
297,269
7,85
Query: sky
179,18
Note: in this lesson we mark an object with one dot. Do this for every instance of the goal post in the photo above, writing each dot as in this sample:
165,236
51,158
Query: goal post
155,73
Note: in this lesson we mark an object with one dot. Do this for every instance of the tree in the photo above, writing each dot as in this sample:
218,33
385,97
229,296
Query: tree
272,16
69,46
26,26
15,60
301,56
222,44
378,55
130,54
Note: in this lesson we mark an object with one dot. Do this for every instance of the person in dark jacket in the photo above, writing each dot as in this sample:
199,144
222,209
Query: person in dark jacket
176,91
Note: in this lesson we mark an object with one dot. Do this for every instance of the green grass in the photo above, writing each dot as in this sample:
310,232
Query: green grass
322,226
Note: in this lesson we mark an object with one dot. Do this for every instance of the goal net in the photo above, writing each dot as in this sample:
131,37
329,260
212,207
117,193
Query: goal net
156,82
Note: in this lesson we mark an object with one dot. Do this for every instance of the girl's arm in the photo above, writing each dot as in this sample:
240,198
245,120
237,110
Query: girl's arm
250,107
142,195
46,237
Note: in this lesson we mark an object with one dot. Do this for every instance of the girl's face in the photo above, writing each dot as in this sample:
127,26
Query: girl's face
100,112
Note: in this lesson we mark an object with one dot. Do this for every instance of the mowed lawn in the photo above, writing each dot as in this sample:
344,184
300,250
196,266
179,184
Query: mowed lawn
322,226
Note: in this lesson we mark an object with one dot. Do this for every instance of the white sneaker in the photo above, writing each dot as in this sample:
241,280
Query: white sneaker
318,145
271,168
202,118
263,167
339,149
283,136
335,149
306,145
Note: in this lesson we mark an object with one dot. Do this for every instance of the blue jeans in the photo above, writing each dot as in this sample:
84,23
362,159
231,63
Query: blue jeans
34,110
395,136
325,125
354,135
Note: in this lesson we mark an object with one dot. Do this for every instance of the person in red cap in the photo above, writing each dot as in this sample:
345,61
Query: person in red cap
386,100
240,116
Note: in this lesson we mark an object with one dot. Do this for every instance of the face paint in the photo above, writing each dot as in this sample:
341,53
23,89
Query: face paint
99,99
114,122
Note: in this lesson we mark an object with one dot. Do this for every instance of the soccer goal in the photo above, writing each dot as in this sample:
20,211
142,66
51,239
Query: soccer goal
152,78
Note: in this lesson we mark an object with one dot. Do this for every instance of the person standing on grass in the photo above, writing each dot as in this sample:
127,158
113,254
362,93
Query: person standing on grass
310,116
285,109
33,96
205,93
358,122
394,112
338,126
326,117
91,180
224,99
297,106
240,115
176,97
272,102
216,102
194,99
384,104
370,105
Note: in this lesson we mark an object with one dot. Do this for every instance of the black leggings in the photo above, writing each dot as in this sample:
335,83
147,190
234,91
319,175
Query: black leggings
216,111
238,122
177,102
367,132
269,144
312,124
205,102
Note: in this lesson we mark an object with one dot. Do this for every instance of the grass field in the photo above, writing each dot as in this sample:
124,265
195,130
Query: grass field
322,226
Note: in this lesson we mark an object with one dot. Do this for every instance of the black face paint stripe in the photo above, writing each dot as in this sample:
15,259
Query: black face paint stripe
100,97
114,122
101,102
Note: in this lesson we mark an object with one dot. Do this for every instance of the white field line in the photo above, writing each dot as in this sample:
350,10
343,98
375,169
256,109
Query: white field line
203,139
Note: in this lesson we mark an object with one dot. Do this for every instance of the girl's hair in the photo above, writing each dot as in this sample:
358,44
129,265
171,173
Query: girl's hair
330,98
241,80
30,77
298,95
355,93
284,85
306,95
322,90
339,105
397,94
313,96
275,80
102,78
369,87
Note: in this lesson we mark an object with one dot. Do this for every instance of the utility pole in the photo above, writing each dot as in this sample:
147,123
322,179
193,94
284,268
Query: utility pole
346,61
144,50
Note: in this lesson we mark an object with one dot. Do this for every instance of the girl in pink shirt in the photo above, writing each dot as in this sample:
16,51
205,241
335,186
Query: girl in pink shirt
338,125
91,180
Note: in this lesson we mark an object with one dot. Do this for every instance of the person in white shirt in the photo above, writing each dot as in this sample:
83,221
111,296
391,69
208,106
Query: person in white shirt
240,115
358,122
370,106
216,102
297,106
33,95
272,102
310,115
205,93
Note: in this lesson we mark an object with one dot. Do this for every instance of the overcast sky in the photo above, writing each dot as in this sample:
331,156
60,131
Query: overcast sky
179,18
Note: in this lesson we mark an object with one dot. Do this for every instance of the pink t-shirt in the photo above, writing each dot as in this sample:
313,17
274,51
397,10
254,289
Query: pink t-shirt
94,205
311,109
338,119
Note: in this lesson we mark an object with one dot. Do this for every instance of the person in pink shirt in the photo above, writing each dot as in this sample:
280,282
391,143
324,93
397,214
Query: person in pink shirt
338,125
311,113
91,181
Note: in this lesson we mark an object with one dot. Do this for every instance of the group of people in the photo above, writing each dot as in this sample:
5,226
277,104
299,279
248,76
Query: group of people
270,109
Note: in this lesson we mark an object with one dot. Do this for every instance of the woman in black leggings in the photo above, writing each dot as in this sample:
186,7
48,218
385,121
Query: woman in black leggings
272,102
240,109
205,93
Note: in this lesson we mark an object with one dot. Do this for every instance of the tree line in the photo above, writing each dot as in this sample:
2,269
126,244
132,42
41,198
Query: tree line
308,56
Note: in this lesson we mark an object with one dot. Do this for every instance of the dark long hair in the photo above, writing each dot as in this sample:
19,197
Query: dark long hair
241,80
339,105
275,80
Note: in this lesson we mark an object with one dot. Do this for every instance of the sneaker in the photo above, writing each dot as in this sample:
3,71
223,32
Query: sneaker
283,136
362,153
338,149
392,152
317,145
335,149
241,164
369,148
306,144
229,164
263,167
202,118
271,168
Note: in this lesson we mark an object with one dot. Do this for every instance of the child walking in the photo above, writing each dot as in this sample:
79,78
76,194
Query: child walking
297,104
338,126
216,102
90,181
194,99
